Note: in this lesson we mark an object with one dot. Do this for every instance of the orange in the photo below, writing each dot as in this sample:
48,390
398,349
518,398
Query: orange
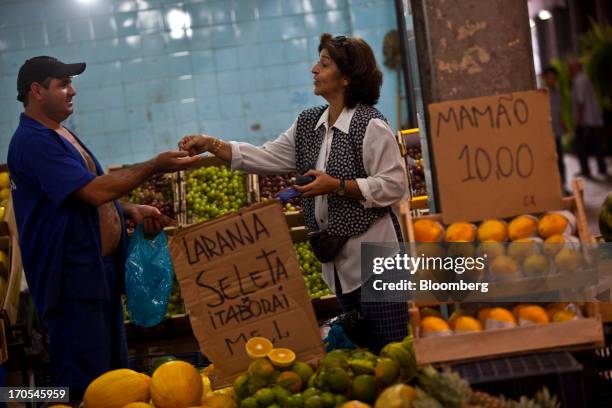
258,347
281,357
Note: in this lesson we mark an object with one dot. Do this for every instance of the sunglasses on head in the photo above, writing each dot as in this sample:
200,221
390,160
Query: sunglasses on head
339,41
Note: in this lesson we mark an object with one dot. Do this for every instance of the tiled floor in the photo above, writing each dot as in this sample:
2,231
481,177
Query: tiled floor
595,190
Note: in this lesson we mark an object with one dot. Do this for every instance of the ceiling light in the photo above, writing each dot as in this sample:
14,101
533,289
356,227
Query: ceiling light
544,15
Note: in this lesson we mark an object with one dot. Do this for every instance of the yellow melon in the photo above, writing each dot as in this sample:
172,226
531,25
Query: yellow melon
523,226
427,231
4,262
176,384
219,401
5,180
493,230
116,389
460,232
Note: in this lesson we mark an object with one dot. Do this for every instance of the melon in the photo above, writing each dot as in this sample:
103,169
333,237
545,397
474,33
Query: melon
116,388
176,384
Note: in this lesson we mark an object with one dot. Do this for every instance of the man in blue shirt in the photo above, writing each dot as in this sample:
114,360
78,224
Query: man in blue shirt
71,226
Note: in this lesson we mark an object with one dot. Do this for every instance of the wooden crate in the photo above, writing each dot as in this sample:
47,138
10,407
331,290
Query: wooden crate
582,333
294,218
173,181
3,342
585,332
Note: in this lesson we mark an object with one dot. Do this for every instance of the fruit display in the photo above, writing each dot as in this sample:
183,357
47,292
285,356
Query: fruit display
524,246
275,378
311,270
416,172
157,191
605,219
271,186
470,319
5,192
213,191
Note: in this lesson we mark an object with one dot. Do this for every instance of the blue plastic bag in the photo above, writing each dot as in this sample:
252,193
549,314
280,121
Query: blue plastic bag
148,278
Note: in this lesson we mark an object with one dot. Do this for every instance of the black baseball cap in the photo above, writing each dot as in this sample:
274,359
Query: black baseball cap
38,69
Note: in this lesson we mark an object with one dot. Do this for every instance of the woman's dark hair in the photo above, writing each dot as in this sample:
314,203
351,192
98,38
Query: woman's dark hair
356,61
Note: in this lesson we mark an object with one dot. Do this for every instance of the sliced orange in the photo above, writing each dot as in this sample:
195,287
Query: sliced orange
258,347
281,357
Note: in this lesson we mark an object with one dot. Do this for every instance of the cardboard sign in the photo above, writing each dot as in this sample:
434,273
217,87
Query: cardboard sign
240,278
495,156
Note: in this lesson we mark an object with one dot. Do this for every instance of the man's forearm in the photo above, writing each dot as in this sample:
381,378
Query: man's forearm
116,184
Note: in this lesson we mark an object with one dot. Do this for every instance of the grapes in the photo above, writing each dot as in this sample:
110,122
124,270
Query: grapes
417,172
271,186
157,192
311,270
213,191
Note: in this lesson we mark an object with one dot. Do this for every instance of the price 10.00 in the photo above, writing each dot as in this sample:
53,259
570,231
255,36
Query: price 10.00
502,163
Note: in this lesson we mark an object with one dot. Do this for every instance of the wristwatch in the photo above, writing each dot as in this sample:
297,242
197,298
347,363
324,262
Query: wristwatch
341,188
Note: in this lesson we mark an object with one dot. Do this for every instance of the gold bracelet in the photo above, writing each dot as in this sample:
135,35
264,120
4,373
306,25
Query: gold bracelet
216,145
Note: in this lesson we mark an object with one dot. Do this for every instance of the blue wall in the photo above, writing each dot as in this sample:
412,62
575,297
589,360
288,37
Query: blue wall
240,69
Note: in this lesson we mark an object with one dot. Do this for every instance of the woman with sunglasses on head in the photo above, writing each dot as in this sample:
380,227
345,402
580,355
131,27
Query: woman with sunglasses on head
349,149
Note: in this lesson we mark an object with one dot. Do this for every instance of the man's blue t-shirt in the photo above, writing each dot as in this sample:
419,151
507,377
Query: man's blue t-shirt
59,234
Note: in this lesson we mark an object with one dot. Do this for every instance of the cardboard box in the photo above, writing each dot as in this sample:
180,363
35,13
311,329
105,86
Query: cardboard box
240,278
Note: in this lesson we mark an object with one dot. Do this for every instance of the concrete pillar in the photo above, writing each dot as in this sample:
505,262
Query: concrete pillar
472,48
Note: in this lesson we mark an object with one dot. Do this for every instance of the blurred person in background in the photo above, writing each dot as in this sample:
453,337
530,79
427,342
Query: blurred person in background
71,226
349,148
588,122
551,79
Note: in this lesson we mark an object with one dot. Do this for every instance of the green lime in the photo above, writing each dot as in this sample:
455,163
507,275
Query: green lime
265,397
314,401
249,402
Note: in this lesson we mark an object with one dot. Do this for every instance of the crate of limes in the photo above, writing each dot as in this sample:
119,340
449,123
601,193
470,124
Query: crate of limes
213,189
311,270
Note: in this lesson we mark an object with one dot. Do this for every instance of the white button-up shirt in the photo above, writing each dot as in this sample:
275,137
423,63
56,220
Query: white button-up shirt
385,185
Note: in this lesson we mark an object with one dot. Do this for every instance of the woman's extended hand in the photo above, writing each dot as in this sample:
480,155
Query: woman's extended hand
194,144
323,184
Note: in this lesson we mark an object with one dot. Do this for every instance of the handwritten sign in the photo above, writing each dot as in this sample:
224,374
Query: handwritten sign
495,156
239,278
